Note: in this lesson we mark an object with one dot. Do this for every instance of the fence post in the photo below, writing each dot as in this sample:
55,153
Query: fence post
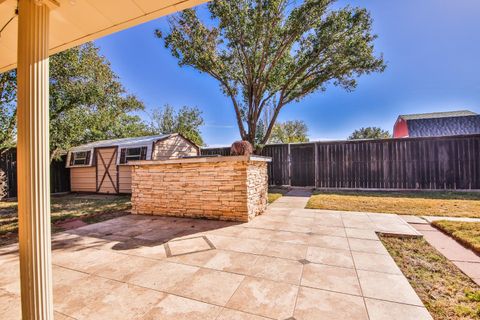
289,166
315,154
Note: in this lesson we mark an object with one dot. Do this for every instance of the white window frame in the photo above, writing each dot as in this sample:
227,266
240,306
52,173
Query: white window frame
74,153
137,157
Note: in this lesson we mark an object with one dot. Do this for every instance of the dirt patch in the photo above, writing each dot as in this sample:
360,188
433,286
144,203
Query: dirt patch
67,212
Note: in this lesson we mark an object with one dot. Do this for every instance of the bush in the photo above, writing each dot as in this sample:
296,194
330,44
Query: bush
241,148
3,184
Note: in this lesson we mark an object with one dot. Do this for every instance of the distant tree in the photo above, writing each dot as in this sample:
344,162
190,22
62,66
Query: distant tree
268,53
186,121
369,133
87,102
8,91
289,132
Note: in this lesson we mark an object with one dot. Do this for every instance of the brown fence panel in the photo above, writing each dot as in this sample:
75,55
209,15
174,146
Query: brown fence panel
8,164
451,163
278,169
448,163
303,164
215,151
59,175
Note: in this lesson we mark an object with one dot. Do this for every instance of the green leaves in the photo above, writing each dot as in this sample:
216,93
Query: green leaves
8,91
289,132
186,121
269,53
370,133
87,102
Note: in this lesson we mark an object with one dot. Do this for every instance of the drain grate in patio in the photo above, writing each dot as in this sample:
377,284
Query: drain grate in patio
187,246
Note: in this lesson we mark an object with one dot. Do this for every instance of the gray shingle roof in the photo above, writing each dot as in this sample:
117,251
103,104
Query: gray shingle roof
148,140
435,115
444,126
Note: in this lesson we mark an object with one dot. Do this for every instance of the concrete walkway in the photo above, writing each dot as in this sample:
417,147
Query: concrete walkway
295,199
460,219
290,263
430,219
464,258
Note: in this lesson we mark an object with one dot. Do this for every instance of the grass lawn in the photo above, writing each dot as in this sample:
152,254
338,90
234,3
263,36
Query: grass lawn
454,204
88,208
275,193
467,233
444,289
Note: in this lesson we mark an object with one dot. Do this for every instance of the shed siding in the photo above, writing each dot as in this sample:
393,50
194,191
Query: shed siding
83,179
125,179
173,147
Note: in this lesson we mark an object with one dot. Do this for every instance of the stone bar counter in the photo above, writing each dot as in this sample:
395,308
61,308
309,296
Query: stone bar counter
224,188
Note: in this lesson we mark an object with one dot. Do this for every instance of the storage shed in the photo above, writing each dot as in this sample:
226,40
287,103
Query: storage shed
102,166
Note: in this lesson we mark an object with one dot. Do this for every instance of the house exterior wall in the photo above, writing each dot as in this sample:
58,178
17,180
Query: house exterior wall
173,147
223,188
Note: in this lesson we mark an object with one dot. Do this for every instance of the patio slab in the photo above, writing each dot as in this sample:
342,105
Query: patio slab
291,263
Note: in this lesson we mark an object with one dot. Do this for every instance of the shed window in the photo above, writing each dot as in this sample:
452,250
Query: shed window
81,158
132,154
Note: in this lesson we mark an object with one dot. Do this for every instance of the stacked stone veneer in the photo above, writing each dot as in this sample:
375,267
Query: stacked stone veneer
224,188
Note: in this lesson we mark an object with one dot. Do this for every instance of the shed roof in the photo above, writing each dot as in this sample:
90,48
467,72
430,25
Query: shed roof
436,115
124,142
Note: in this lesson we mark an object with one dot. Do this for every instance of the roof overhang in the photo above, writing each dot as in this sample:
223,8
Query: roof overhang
74,22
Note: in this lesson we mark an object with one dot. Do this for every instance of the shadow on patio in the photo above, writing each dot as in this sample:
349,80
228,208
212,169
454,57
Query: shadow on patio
290,262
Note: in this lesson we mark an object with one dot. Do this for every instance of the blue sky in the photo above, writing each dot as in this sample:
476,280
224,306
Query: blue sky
432,49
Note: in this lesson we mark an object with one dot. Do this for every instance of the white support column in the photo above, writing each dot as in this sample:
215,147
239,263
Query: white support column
33,160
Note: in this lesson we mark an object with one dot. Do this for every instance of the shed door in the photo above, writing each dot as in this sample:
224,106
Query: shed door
303,165
106,162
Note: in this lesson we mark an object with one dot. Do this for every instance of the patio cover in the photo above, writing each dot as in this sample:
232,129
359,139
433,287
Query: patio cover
27,37
73,22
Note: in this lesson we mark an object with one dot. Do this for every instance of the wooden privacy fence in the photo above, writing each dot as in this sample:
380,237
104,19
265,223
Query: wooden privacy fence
59,175
449,163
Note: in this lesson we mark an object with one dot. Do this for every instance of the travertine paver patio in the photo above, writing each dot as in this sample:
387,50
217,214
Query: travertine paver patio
290,263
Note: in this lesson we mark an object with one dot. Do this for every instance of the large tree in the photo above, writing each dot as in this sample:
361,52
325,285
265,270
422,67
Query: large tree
369,133
8,91
87,102
186,121
289,132
269,53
